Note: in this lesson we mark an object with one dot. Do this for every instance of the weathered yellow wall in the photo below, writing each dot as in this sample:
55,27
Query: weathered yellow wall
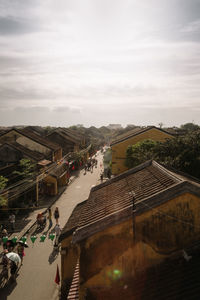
105,259
111,259
119,150
173,228
57,155
63,180
52,180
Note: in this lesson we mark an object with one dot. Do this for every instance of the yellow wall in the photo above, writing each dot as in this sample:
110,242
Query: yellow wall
111,259
119,149
53,188
57,155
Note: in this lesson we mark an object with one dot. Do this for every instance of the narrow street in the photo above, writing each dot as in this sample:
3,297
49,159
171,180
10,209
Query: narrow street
36,276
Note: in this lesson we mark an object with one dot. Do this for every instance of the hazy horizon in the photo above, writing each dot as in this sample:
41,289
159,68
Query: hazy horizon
97,62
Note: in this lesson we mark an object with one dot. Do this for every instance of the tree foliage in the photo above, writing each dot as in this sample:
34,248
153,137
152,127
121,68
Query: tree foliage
3,183
139,153
181,153
26,169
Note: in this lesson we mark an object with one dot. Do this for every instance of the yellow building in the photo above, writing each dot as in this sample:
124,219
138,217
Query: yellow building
57,177
121,143
132,227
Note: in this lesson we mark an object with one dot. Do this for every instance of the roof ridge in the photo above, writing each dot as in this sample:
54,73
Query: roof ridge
116,141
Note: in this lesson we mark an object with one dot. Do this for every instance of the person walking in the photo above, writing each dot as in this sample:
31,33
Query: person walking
56,215
20,251
57,231
12,221
50,218
101,177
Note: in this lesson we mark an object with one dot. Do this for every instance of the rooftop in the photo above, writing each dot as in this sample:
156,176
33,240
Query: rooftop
134,132
25,151
141,188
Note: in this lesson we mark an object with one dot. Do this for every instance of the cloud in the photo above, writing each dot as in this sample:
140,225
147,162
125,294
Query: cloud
72,59
10,26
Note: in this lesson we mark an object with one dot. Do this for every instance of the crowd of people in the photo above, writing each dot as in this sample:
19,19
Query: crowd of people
13,253
90,164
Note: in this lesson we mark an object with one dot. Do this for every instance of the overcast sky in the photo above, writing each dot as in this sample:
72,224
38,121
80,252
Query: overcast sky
95,62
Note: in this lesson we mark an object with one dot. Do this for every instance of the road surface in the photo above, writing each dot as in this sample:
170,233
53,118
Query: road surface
36,276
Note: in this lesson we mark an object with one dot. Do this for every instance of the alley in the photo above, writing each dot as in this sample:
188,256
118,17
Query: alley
36,276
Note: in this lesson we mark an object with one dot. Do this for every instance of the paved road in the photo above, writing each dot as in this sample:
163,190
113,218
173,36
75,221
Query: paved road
36,276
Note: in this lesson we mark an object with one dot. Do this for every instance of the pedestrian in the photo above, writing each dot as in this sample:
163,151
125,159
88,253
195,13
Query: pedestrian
4,263
85,168
57,231
56,215
50,218
101,177
20,251
12,221
13,270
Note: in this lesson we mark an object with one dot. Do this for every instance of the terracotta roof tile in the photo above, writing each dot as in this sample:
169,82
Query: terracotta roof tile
140,188
37,156
41,140
74,288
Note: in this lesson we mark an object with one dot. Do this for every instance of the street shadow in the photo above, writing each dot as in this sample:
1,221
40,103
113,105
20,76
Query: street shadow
53,255
7,289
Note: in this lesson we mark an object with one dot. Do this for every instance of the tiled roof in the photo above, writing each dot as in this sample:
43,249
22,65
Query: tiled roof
25,151
35,137
41,140
73,221
73,133
133,133
59,170
63,135
74,288
69,134
140,188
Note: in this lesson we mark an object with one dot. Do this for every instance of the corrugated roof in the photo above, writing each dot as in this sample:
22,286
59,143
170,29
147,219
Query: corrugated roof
133,133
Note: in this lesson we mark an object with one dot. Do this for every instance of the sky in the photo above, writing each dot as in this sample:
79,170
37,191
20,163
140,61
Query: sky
96,62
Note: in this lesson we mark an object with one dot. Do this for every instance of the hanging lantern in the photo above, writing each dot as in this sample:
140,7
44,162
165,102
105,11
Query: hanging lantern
14,239
4,239
52,236
23,239
33,238
42,238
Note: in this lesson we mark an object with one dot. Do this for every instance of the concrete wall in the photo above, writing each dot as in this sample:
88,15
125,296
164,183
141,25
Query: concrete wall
119,150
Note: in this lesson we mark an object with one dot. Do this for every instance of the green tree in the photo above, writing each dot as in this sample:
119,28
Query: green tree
139,153
181,153
189,127
3,183
26,169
